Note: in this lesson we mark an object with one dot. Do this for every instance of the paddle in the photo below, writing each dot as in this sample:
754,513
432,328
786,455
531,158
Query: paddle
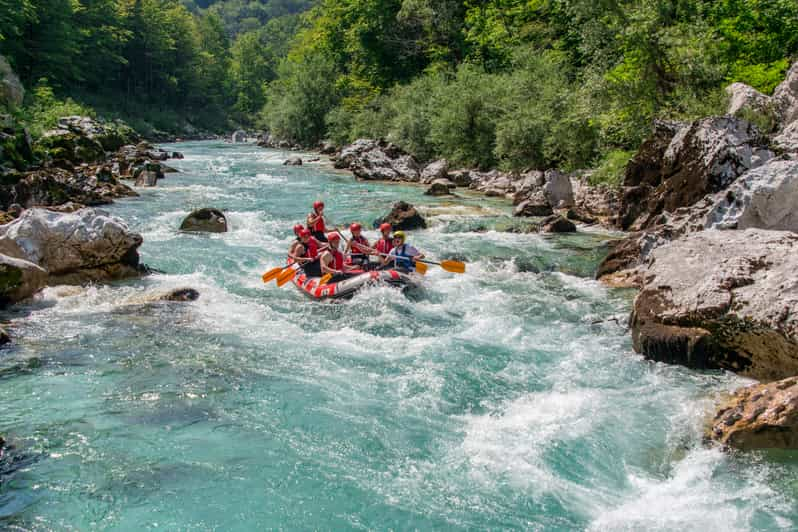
287,274
271,274
453,266
325,279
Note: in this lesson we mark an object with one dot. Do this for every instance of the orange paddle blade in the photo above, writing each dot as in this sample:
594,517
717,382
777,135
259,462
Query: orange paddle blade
271,274
286,276
454,266
325,279
421,268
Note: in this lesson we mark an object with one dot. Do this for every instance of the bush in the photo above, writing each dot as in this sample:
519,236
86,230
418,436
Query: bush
611,168
45,109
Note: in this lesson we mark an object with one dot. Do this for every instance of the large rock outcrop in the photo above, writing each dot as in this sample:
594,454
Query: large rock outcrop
743,98
378,160
785,97
762,416
702,158
84,246
80,139
722,300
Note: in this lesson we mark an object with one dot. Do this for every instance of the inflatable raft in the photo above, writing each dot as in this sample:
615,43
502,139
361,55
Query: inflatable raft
347,288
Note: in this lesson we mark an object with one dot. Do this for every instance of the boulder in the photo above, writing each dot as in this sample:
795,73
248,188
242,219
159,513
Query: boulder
761,416
595,202
12,93
461,178
146,178
722,300
440,187
785,96
557,224
558,190
205,220
327,148
787,140
743,97
19,279
377,160
403,216
69,146
239,136
435,170
84,246
535,205
293,161
763,198
55,186
702,158
180,294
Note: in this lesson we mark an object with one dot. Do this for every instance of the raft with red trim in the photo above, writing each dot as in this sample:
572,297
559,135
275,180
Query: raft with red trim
346,288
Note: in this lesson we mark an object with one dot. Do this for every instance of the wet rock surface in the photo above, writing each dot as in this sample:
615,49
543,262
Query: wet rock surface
206,220
403,216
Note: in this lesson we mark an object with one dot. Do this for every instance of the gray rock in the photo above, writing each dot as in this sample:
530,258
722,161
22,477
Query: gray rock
440,187
763,198
146,178
535,205
557,224
180,294
722,300
83,246
558,190
205,220
12,93
785,96
377,160
239,136
19,279
744,97
403,216
435,170
293,161
787,140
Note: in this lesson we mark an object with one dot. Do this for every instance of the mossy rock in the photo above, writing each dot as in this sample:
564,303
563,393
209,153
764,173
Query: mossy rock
10,279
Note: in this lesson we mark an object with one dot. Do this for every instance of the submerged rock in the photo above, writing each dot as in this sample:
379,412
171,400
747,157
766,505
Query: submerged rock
403,216
207,220
762,416
293,161
180,294
557,224
239,136
84,246
722,300
440,187
19,279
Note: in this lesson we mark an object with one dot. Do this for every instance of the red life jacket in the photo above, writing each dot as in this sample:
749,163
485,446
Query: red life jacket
318,227
359,249
311,249
338,260
384,245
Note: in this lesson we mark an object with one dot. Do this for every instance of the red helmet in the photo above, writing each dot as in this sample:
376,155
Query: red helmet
304,232
333,237
298,229
317,205
355,227
385,227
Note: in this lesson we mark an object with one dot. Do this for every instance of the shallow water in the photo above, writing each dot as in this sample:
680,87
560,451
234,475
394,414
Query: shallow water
508,397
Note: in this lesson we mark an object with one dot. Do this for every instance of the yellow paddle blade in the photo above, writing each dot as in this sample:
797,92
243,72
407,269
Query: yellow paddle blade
271,274
325,279
421,268
454,266
286,276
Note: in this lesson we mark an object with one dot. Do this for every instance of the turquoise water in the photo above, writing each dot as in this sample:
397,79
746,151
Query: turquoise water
491,400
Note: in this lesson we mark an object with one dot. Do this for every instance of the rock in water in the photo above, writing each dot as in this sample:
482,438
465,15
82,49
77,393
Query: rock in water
293,161
535,205
403,216
240,136
440,187
84,246
763,416
722,300
205,220
19,279
557,224
180,294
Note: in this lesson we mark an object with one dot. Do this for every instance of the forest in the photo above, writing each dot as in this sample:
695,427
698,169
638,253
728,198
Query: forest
487,83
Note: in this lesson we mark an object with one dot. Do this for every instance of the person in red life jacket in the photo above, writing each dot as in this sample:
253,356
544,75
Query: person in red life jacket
403,255
385,243
316,222
358,247
308,254
292,250
332,260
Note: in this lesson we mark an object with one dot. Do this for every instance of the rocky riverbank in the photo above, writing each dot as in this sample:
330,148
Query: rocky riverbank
709,208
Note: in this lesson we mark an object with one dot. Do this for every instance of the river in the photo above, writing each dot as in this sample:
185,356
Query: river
505,398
